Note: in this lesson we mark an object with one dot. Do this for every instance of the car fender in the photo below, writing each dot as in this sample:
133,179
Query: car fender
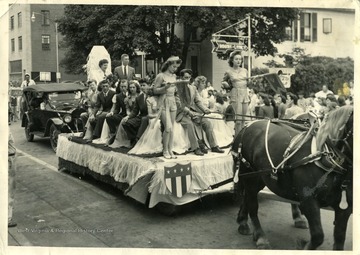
59,123
25,118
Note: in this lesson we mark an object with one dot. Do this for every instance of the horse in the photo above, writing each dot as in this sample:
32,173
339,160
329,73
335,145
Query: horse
258,153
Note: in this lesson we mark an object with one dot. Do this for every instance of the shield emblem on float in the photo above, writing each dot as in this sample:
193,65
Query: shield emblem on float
178,179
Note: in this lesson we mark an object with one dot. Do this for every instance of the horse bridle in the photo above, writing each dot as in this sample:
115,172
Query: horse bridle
345,141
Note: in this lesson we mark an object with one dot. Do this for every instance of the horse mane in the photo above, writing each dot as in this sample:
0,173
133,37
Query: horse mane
333,125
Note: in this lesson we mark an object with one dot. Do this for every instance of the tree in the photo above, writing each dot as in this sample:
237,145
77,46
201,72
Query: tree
313,72
152,29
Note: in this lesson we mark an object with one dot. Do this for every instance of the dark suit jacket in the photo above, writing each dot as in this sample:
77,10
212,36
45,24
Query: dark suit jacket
104,102
120,107
195,105
140,107
118,71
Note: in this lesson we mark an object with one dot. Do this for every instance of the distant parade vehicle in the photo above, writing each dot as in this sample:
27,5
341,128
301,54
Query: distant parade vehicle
52,109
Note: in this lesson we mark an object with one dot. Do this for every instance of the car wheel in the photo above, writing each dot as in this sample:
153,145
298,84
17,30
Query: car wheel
54,133
29,136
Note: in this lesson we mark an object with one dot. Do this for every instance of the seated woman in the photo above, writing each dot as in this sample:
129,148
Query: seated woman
151,140
223,133
121,138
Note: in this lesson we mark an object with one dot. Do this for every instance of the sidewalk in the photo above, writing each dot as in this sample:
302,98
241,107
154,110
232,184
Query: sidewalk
54,209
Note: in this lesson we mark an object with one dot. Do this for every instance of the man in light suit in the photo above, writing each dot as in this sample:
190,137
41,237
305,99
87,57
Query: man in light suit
104,102
189,106
125,71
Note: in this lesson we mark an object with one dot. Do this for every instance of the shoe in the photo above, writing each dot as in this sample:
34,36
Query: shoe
83,134
198,152
202,147
88,140
12,224
111,140
173,155
204,150
217,149
166,155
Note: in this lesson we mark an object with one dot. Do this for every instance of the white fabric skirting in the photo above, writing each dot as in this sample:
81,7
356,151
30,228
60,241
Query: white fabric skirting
206,171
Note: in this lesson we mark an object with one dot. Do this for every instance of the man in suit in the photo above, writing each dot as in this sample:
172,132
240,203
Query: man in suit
136,123
189,106
118,110
125,71
103,102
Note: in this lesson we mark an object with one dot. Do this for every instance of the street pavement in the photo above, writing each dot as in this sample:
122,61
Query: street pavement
57,209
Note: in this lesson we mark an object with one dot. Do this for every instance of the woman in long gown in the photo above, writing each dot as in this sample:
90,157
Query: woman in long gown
121,139
151,140
235,79
223,133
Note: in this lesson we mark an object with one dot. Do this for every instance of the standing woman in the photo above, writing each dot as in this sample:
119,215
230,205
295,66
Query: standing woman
235,79
164,86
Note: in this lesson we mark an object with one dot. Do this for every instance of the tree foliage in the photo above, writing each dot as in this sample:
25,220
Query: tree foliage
152,29
313,72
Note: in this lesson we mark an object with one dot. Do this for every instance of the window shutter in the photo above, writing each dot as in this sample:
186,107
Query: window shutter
295,30
302,27
314,27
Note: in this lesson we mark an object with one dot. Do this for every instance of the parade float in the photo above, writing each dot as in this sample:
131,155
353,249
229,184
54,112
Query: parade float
149,179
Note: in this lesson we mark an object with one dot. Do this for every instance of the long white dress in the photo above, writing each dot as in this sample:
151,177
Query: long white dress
151,140
223,132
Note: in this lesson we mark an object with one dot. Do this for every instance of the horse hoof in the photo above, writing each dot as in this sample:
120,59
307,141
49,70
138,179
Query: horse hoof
263,244
244,229
301,244
301,223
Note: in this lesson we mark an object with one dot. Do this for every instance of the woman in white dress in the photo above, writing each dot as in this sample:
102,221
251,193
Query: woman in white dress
151,141
223,133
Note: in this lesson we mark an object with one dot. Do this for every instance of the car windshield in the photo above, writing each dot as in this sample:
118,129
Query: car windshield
62,99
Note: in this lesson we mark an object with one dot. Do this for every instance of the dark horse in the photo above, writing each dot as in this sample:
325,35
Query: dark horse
259,148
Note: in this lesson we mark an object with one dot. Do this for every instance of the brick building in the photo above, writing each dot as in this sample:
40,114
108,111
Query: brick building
32,47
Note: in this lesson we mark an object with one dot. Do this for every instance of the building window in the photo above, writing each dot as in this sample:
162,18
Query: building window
12,22
45,41
12,45
19,19
45,18
327,26
20,42
308,27
15,66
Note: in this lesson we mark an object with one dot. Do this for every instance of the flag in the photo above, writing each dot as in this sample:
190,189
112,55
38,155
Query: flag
178,179
275,83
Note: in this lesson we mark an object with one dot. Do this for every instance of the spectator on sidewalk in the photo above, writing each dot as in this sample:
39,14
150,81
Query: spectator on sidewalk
11,180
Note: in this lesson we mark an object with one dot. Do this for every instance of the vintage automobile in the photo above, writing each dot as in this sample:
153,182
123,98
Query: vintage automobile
51,109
